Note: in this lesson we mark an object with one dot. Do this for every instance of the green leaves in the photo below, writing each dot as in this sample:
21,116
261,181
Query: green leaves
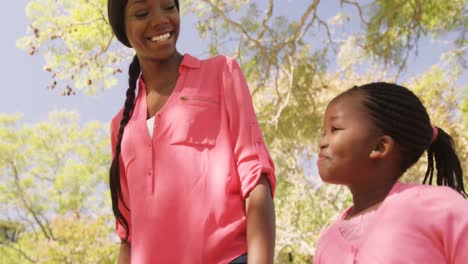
49,172
395,27
75,39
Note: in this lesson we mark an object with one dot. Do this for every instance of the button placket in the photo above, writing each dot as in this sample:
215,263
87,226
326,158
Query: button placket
156,119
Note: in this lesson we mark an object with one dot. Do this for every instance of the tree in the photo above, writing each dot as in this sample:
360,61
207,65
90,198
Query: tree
289,63
395,27
76,40
53,191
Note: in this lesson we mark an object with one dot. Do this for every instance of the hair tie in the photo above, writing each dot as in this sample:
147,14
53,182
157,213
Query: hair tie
435,132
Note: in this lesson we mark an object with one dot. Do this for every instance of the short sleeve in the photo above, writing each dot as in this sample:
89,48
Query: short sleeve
250,153
120,229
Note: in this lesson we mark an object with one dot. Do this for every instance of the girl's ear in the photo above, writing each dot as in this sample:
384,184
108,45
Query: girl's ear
383,147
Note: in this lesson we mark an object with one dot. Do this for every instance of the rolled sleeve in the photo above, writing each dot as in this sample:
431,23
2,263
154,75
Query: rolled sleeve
250,153
120,229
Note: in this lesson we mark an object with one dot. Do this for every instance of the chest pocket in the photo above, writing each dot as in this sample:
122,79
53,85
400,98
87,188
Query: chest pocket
197,120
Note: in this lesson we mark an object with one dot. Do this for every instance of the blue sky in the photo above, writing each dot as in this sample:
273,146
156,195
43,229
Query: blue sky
24,81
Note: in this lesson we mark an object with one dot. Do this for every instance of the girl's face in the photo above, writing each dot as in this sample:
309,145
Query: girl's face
152,28
347,141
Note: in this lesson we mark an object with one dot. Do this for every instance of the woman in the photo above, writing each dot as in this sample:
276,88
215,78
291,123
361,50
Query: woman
191,179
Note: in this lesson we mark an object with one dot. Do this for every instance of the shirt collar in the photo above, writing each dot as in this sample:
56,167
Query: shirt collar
187,61
190,61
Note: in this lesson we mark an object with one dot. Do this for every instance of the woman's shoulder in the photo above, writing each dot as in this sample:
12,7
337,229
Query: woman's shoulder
115,121
222,61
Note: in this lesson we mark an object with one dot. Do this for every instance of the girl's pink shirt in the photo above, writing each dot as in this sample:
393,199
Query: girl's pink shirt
186,187
414,224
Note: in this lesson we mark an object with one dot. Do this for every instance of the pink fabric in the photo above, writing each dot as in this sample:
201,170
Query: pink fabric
186,186
353,229
414,224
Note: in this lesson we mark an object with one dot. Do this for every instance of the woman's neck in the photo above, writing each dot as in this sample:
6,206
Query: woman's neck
160,76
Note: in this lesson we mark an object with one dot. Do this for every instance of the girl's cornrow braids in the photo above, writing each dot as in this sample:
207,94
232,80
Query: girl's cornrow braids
400,114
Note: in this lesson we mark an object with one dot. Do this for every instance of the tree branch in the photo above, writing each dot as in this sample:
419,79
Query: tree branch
358,7
238,26
26,203
21,252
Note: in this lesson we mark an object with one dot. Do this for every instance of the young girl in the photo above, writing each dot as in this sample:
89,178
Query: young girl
372,135
191,179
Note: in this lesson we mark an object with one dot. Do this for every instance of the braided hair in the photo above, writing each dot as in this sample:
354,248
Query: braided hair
116,10
441,151
114,180
399,113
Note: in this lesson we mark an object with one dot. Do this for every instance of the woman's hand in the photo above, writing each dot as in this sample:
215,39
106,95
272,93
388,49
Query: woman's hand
125,255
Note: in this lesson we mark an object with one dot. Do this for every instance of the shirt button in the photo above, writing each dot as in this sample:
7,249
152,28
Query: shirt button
259,140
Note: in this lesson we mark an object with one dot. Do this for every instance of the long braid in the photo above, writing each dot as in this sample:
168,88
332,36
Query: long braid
399,113
114,181
449,171
116,15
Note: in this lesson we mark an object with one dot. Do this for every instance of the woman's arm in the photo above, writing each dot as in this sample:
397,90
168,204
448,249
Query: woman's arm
251,156
260,212
124,255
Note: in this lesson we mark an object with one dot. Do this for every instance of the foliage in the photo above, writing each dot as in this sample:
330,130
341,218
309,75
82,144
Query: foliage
395,26
52,189
75,40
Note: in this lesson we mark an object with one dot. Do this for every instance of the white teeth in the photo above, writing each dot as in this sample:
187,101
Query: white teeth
161,37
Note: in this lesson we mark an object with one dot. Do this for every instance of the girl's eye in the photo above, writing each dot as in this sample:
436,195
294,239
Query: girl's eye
333,129
170,7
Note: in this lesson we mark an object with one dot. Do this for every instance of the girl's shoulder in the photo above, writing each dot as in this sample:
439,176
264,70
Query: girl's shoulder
427,198
407,190
442,195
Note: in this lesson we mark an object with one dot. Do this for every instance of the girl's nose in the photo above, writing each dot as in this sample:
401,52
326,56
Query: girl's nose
323,143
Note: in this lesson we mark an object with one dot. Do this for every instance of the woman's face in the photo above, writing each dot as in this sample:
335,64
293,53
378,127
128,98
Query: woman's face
152,28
